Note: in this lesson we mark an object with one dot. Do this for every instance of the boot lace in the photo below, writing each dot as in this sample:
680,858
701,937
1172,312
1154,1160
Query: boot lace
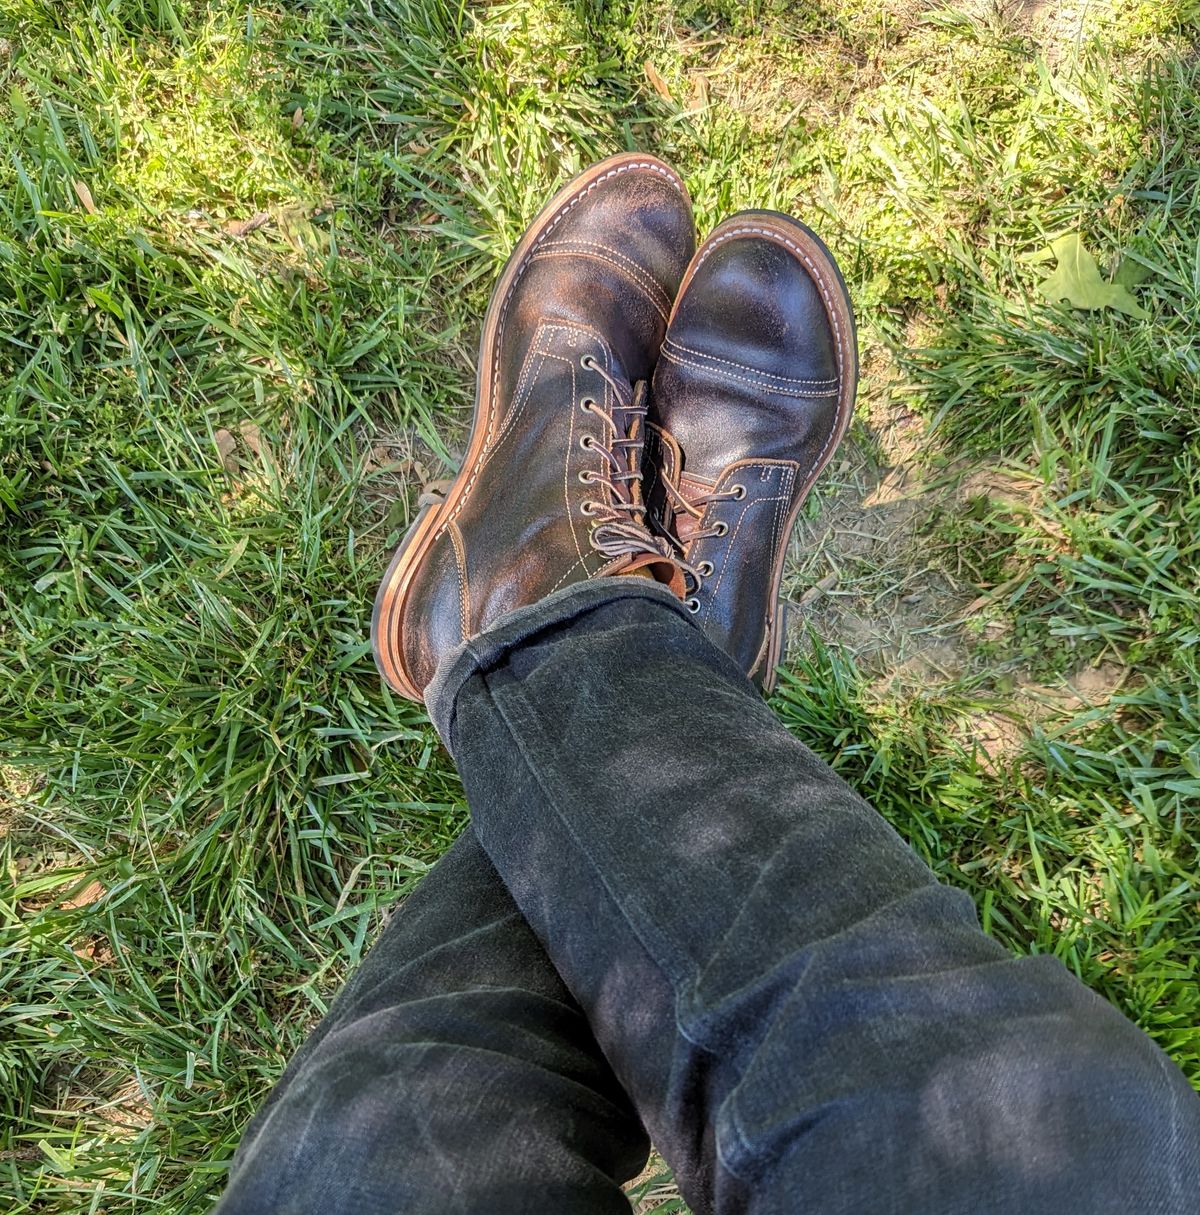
623,529
695,573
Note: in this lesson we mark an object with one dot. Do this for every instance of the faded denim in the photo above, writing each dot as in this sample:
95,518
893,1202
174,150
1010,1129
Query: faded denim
803,1018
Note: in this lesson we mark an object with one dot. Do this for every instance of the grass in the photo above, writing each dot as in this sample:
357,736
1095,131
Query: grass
244,251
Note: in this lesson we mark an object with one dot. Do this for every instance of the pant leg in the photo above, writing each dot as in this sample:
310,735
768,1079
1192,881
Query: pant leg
806,1019
453,1074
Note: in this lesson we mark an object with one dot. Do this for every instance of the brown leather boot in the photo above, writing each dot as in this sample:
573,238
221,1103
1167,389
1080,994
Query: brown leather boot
549,491
753,392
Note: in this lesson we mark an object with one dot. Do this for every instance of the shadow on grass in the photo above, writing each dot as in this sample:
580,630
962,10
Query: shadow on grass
242,250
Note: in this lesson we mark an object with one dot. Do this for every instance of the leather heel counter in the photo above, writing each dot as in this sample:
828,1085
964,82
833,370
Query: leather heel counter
436,609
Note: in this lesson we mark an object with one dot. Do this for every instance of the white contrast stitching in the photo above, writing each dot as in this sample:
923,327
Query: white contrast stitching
729,547
815,271
805,393
464,602
536,356
783,379
567,459
566,208
566,575
660,300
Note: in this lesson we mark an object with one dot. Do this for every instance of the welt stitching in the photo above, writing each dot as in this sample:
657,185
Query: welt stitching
565,210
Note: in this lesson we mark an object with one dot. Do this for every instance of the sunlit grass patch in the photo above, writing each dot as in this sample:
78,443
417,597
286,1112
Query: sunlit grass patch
244,253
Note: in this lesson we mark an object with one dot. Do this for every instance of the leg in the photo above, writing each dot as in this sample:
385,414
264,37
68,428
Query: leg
805,1019
454,1074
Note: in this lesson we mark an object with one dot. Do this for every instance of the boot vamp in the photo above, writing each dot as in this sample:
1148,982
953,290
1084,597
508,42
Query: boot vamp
749,367
524,529
611,263
747,390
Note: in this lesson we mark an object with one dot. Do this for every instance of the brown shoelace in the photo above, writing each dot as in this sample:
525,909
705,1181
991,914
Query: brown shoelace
696,508
622,530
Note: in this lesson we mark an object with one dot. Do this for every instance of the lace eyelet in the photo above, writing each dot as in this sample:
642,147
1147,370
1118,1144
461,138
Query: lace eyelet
587,404
585,508
692,605
585,477
739,492
720,528
586,360
586,442
705,569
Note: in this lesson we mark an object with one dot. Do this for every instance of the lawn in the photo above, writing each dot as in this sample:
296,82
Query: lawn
244,254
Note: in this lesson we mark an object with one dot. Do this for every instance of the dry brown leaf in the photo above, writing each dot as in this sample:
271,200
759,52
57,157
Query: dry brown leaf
659,85
251,434
85,197
96,950
93,892
298,118
243,227
699,97
227,449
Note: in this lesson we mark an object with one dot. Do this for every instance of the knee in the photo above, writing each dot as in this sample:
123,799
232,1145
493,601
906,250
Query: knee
1086,1105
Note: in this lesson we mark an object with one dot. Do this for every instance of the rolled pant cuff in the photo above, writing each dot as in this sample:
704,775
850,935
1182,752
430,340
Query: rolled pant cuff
519,626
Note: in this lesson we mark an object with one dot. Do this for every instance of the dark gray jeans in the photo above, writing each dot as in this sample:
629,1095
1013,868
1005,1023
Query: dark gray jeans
670,914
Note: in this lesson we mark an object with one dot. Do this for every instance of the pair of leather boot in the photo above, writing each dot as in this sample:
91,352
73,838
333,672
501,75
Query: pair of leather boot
642,406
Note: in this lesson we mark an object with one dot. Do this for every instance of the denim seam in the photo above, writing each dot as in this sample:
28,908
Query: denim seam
518,717
526,721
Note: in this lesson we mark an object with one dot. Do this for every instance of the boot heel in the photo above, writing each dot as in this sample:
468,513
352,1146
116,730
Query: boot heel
430,500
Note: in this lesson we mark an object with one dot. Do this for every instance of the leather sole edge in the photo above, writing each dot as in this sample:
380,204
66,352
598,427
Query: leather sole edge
391,597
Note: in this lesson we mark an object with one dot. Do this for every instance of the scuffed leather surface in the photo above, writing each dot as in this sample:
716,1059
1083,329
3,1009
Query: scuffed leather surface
598,282
747,390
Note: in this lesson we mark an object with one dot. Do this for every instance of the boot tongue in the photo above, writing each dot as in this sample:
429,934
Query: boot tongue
668,457
645,556
661,569
634,416
690,488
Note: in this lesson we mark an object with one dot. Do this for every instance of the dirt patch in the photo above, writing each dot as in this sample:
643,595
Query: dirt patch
396,467
858,573
111,1105
1057,29
1000,736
